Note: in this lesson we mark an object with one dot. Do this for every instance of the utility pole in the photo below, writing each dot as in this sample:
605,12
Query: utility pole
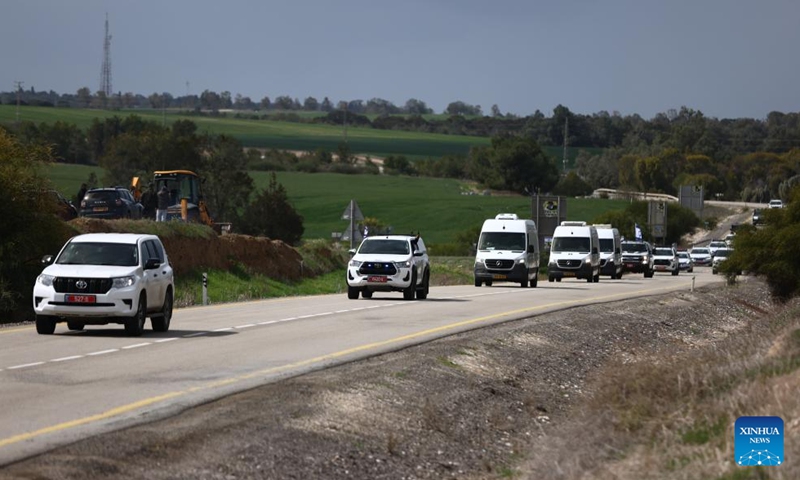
566,137
18,87
344,123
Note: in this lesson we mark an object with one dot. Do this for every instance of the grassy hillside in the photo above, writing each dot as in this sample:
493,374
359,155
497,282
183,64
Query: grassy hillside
285,135
436,207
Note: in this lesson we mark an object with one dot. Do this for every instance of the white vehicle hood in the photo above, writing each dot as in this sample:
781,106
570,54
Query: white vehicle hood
381,258
89,271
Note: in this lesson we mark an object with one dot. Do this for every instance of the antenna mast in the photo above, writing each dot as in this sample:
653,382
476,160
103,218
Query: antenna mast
105,72
566,136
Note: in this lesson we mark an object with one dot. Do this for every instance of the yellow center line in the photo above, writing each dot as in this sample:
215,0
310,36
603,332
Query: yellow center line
302,363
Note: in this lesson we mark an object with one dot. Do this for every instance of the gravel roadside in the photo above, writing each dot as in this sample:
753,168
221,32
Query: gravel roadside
472,405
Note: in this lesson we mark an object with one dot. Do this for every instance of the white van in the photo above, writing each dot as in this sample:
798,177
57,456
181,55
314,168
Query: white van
574,252
508,251
610,251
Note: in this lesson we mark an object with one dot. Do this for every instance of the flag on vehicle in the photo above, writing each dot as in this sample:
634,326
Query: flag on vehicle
637,231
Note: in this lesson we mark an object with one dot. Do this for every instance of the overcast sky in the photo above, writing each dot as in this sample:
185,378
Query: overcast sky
726,58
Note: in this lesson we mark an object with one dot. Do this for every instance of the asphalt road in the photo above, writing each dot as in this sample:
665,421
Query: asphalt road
60,388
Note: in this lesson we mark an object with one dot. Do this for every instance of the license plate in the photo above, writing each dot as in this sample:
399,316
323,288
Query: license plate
498,276
568,274
100,209
629,265
81,298
377,279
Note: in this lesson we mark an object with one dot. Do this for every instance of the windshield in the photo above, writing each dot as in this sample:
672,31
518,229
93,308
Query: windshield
502,241
384,246
717,244
700,251
117,254
607,245
663,251
723,252
683,255
634,247
571,244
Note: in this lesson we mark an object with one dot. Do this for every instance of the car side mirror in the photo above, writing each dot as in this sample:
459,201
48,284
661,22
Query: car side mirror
47,260
152,264
352,251
418,253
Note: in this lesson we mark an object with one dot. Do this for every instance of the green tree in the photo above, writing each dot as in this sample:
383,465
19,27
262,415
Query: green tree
272,215
572,185
522,165
227,184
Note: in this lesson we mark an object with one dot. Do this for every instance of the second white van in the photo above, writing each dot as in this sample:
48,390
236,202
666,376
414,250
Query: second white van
574,252
610,251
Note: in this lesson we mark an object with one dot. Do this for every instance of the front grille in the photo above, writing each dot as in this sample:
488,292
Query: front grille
603,262
661,261
377,268
569,263
498,263
93,285
632,258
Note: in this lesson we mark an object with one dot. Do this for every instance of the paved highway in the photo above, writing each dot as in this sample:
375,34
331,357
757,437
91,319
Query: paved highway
60,388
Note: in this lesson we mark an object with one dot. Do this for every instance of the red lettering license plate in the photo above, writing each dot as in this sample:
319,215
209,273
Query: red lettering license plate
498,276
100,209
81,298
377,279
629,265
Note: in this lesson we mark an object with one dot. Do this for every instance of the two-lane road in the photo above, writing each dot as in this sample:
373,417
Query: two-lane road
60,388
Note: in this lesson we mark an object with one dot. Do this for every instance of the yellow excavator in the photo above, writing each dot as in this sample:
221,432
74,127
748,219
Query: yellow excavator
186,197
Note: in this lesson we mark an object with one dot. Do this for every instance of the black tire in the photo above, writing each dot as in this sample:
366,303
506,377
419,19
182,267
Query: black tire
422,293
488,283
558,279
45,324
161,322
648,273
675,273
596,278
535,280
478,283
590,278
352,293
411,290
134,326
524,283
551,279
75,325
366,293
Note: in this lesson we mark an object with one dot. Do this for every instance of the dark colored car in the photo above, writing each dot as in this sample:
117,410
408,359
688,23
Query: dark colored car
111,202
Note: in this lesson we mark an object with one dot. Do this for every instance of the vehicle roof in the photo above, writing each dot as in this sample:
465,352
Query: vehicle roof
111,237
175,172
391,237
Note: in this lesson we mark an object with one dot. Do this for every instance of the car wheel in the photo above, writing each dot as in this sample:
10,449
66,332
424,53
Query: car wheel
535,280
161,322
411,290
478,283
488,283
558,279
596,278
45,324
524,283
134,326
75,325
366,293
422,293
352,293
675,272
551,279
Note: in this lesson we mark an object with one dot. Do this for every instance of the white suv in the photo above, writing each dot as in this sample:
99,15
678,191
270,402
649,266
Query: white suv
389,263
102,278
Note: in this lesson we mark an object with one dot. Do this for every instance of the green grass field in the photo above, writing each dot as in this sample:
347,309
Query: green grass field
286,135
435,207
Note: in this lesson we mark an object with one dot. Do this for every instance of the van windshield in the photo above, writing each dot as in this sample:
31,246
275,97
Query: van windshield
571,244
607,245
502,241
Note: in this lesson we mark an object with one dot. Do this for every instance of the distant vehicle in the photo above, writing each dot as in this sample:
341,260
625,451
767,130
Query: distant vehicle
665,259
729,239
110,203
685,262
720,256
716,245
637,257
700,255
389,263
758,218
574,252
610,252
776,203
102,278
508,251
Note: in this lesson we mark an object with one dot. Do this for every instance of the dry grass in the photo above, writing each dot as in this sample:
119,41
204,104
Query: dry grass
672,416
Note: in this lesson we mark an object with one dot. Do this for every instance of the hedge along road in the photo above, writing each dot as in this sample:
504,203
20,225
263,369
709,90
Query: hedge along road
72,385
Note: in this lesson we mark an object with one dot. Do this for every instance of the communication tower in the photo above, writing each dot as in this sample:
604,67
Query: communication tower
105,72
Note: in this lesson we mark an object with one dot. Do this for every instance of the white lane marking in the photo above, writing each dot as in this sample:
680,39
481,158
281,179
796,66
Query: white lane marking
64,359
345,311
136,346
15,367
103,352
164,340
246,326
224,329
269,322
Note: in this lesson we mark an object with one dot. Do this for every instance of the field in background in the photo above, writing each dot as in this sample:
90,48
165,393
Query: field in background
286,135
438,208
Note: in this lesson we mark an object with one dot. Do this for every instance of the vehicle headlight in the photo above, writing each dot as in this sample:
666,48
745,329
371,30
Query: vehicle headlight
406,264
355,263
644,259
46,280
122,282
521,260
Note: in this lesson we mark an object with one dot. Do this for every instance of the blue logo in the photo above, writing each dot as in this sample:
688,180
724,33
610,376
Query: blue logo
759,441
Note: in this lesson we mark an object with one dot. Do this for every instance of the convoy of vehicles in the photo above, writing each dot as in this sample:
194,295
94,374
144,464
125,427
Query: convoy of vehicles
389,263
574,252
102,278
508,251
